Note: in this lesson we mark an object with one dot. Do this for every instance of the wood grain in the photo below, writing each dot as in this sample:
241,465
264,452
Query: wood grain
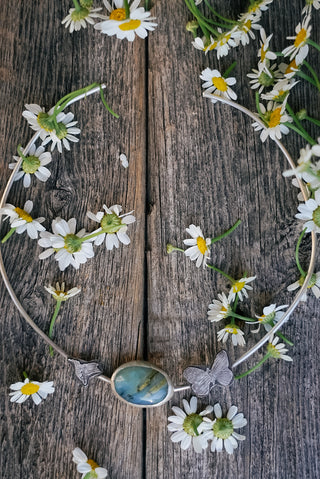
189,162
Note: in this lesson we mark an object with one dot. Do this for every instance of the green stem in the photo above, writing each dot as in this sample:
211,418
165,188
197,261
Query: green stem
314,44
62,103
302,272
226,233
20,152
306,77
76,5
126,8
228,71
7,236
216,14
313,120
171,248
202,20
146,5
297,130
232,281
54,317
244,318
106,104
263,360
93,235
313,73
297,122
25,375
283,337
258,104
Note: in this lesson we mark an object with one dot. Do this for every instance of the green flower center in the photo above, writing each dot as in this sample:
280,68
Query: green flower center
80,15
45,121
267,319
86,3
275,353
111,223
30,164
72,243
312,280
316,216
266,80
191,424
61,131
223,428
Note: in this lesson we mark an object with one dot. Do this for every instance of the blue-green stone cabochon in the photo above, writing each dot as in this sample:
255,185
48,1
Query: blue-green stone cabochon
141,385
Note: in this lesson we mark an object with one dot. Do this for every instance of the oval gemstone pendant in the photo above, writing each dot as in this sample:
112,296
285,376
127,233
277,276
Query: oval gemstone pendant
141,384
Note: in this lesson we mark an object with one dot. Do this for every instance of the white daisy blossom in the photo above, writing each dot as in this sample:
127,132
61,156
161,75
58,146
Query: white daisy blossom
22,221
113,225
185,425
33,114
248,22
69,247
314,285
124,160
65,133
215,83
264,53
271,314
277,350
280,91
86,466
59,292
274,118
299,50
77,20
219,309
306,170
199,246
307,9
38,391
138,23
289,70
221,431
310,213
236,334
263,78
32,164
259,5
240,288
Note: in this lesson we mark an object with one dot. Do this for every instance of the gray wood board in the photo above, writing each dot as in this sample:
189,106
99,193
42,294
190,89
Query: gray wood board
189,162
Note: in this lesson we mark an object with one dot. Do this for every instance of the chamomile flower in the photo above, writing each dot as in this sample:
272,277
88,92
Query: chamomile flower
33,164
240,288
215,83
87,467
38,391
271,314
69,247
221,431
314,285
289,70
259,6
265,53
274,117
76,20
59,292
280,91
113,226
299,50
199,246
307,9
236,334
219,309
185,424
247,23
64,133
37,117
277,350
138,23
21,220
263,78
310,213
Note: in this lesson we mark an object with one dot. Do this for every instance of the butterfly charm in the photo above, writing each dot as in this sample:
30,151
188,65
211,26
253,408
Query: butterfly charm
202,381
85,370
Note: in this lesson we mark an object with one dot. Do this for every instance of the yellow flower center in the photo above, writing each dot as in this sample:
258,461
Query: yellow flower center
211,47
238,285
30,388
202,245
261,318
232,330
118,14
224,310
300,38
275,118
93,464
263,53
220,83
247,26
273,351
291,67
131,25
23,215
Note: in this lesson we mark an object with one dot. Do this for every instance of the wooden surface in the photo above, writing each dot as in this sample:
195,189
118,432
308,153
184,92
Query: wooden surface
189,162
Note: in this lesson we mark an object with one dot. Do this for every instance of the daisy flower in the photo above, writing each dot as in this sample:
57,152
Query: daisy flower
277,350
23,390
280,91
113,226
59,292
308,6
314,285
237,335
38,119
21,220
259,6
261,78
87,467
265,53
289,70
64,133
69,247
310,212
248,22
271,314
240,288
33,164
77,19
219,309
199,246
274,118
221,431
299,50
138,23
215,83
184,425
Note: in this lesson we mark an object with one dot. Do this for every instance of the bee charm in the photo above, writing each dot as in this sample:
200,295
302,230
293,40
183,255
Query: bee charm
203,380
